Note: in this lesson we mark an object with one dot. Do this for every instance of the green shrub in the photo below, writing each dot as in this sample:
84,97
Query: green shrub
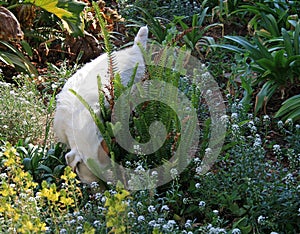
23,113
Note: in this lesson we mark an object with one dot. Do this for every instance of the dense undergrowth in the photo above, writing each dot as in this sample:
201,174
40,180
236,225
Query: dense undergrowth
253,187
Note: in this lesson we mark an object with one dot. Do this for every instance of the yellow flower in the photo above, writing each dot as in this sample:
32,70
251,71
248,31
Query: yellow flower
122,194
42,226
28,225
66,201
30,185
68,174
51,194
16,217
9,162
7,190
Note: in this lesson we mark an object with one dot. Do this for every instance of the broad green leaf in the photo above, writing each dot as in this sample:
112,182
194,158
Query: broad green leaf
265,94
67,10
270,24
27,48
229,47
16,58
290,108
287,42
296,39
262,50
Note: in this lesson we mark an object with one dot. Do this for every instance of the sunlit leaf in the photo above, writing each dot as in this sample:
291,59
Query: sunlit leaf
68,11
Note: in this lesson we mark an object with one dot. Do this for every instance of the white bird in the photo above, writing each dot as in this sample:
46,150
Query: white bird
73,124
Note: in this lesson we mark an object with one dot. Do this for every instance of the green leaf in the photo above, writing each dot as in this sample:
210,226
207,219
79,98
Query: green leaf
46,168
27,48
296,39
94,116
270,24
290,108
265,94
67,10
287,42
27,163
17,59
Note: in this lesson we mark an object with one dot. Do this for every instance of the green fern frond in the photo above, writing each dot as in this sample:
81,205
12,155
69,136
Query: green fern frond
95,117
131,81
112,68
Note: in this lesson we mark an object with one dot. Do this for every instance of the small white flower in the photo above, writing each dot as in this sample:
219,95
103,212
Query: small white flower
165,207
139,169
3,175
76,213
261,219
97,223
216,212
253,129
188,224
174,173
266,119
98,196
151,209
276,149
130,214
202,203
94,185
209,92
289,122
152,223
71,222
208,151
154,173
141,218
197,160
236,231
79,218
32,199
197,185
63,231
224,119
235,127
280,124
257,142
234,116
136,147
171,223
198,170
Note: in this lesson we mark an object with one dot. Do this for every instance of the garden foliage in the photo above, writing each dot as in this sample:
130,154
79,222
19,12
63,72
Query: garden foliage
253,187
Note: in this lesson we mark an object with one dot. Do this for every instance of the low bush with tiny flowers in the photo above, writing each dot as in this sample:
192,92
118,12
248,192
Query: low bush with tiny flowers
23,113
252,188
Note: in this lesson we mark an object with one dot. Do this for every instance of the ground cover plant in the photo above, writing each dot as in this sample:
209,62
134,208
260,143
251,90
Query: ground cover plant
252,187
